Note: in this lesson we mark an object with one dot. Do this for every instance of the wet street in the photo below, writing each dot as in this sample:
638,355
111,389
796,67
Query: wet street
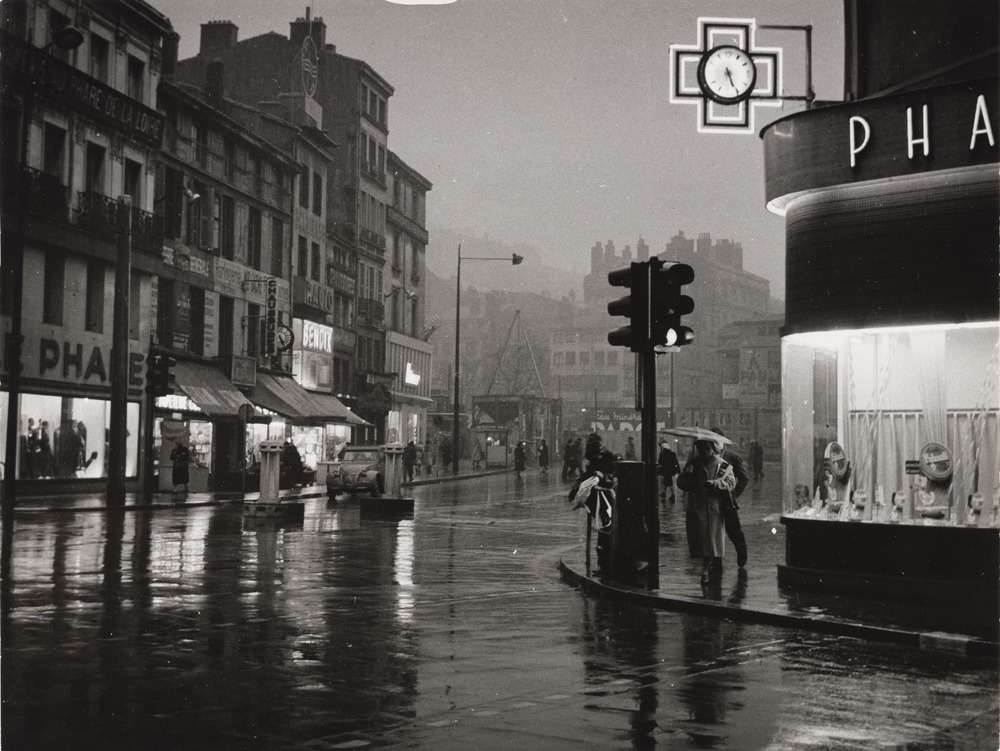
190,628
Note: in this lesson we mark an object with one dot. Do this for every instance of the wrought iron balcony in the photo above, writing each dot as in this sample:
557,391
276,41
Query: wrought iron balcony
98,213
47,197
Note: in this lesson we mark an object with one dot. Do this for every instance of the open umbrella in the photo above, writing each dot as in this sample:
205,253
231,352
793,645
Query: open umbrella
698,434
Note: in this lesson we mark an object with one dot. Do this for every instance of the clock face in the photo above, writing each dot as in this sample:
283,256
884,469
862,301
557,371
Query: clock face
285,337
727,74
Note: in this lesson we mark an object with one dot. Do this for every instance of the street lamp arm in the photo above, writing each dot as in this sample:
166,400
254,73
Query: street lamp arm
515,260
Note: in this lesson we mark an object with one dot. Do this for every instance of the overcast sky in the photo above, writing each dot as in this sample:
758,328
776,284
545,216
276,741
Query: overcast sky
548,122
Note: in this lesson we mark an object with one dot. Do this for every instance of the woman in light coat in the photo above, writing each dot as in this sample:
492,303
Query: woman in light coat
708,482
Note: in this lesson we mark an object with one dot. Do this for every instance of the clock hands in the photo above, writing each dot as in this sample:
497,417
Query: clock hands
730,77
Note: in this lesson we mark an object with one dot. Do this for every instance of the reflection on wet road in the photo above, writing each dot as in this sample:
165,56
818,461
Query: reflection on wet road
447,629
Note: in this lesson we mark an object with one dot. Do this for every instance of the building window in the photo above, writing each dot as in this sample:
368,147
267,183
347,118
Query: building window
381,111
258,173
136,78
558,358
317,196
201,143
397,252
381,161
230,160
397,192
226,315
99,58
571,358
133,182
55,151
303,266
55,280
165,312
277,248
170,204
414,323
198,218
252,333
315,263
254,239
227,235
612,358
95,168
304,188
599,359
94,319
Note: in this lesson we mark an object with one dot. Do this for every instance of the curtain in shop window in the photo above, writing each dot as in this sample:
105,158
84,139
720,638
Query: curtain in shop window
971,436
928,362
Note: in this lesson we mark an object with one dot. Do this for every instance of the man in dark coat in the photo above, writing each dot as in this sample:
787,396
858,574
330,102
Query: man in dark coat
730,511
409,460
668,467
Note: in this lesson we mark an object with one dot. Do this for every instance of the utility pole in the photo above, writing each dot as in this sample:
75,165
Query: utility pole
119,355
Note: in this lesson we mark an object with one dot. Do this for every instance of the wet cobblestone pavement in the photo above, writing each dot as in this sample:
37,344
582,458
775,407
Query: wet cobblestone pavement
191,628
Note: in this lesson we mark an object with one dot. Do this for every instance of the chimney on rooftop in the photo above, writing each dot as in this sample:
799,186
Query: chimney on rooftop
300,28
218,37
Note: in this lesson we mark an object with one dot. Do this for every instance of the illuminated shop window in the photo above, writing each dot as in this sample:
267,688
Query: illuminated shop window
65,437
892,426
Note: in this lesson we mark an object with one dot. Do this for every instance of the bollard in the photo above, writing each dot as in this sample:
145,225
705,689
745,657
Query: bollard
270,467
393,468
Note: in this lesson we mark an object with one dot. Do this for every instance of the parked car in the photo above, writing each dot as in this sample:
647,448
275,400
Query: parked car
360,469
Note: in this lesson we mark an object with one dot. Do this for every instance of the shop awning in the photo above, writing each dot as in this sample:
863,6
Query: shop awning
207,387
282,394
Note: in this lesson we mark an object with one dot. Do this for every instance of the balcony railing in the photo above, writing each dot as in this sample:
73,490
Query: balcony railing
98,213
48,197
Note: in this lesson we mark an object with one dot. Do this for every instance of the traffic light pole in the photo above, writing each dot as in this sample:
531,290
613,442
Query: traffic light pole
119,356
147,439
647,360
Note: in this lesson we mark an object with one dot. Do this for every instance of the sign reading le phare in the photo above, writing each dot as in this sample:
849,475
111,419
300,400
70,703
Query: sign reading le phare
50,78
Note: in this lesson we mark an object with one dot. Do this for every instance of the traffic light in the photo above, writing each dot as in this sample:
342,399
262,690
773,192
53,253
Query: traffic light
669,305
634,306
160,381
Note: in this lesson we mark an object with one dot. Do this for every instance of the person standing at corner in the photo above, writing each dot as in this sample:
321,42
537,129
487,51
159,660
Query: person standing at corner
708,481
520,457
756,461
409,460
543,456
730,511
180,455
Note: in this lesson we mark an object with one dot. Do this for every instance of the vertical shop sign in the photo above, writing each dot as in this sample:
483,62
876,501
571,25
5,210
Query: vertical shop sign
271,317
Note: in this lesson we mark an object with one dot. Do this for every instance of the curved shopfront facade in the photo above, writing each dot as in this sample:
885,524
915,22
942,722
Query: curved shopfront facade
890,347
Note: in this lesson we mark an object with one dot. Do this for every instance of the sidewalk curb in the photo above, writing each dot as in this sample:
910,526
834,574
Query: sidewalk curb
937,641
455,478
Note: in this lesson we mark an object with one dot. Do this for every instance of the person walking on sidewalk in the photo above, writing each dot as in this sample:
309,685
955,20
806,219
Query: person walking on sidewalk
707,479
543,456
731,509
520,458
409,460
668,467
477,455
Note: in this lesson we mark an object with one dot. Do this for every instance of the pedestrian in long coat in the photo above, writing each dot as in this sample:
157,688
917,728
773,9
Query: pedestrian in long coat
708,482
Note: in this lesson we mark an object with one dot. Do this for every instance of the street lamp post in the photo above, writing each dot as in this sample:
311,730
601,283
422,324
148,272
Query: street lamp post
515,259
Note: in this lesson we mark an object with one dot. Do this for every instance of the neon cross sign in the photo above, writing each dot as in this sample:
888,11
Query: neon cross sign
714,117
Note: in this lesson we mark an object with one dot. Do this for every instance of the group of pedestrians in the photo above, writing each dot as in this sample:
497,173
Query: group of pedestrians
712,479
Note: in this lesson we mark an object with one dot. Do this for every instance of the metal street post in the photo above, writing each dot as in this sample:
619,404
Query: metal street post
119,354
515,259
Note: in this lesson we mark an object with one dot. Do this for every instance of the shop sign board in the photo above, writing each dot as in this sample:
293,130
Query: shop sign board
52,79
410,378
68,357
915,132
243,371
271,316
315,337
314,295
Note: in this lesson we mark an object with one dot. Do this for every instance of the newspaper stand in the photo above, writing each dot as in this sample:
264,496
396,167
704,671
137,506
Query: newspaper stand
270,504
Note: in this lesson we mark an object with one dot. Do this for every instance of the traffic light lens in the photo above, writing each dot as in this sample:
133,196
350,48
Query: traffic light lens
671,338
